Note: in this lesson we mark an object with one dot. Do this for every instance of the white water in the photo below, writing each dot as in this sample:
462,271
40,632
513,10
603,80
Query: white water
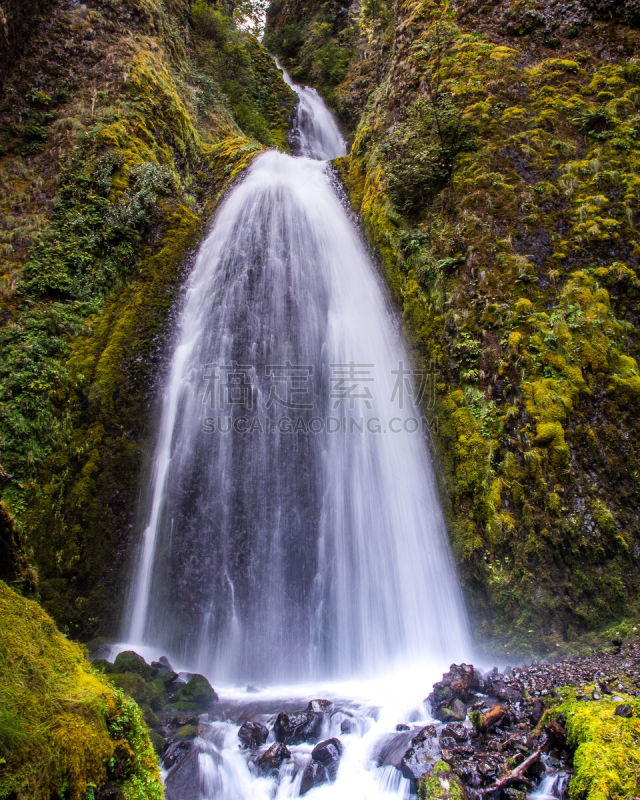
280,558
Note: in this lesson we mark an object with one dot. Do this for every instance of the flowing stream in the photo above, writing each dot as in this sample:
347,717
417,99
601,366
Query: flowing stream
292,533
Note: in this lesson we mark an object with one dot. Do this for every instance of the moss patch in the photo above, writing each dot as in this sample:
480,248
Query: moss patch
606,757
64,731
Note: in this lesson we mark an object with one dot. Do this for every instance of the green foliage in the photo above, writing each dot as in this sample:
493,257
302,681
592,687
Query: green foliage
63,729
606,757
315,48
422,151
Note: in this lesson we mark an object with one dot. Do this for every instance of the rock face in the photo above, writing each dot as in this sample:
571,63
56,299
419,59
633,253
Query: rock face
557,479
16,23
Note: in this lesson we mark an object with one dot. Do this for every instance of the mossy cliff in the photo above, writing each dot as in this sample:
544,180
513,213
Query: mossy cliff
495,157
121,123
64,730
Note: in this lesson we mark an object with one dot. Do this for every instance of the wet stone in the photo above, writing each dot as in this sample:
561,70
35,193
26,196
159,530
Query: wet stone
273,758
253,734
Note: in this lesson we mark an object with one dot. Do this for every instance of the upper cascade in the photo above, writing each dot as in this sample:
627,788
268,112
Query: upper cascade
315,133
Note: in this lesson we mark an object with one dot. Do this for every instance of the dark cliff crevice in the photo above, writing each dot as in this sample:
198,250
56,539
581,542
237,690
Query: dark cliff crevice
18,19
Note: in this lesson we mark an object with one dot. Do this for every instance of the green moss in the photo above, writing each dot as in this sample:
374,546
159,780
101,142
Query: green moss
606,758
440,784
62,726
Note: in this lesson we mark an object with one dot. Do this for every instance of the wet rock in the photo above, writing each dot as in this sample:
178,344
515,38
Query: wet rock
347,726
297,727
401,727
455,712
328,753
163,670
497,686
462,681
494,718
422,755
456,731
623,710
323,767
272,759
390,750
176,753
489,767
253,734
177,717
183,780
320,706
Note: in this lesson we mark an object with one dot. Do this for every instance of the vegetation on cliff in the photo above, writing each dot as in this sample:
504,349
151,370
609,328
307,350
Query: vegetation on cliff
64,731
495,168
122,123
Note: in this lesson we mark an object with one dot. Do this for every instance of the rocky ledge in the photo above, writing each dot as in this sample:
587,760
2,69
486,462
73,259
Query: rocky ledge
499,734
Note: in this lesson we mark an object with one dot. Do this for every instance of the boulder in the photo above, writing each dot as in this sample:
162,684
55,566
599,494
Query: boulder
455,712
253,734
441,784
128,661
323,767
272,759
422,755
197,690
623,710
462,681
457,731
298,726
457,688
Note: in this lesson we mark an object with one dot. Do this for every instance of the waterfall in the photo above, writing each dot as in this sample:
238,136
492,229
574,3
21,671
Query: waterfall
291,524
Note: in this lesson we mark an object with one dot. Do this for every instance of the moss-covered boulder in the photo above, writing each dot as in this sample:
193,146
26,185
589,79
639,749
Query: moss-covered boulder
64,730
441,784
130,661
198,691
606,746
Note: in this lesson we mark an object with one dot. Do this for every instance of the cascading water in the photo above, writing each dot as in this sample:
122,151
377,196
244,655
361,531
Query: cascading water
292,529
